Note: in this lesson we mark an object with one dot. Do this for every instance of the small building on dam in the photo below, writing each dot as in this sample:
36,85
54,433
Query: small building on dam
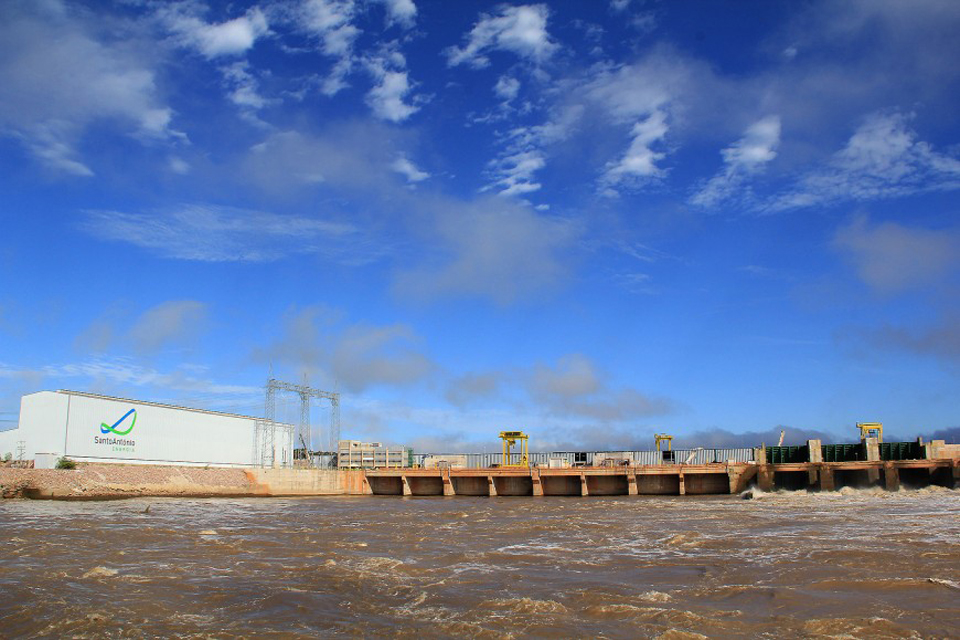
94,428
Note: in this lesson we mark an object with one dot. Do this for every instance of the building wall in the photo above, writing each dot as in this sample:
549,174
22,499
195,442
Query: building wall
354,454
8,442
100,429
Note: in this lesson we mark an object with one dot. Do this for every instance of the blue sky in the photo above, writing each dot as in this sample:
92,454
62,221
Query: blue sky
591,221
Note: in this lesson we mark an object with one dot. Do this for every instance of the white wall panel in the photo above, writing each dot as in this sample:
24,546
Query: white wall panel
8,442
43,418
96,428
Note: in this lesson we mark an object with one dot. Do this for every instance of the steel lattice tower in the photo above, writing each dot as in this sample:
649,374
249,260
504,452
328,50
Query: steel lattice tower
306,393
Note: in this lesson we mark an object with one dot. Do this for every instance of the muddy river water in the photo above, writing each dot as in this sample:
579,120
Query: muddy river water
864,564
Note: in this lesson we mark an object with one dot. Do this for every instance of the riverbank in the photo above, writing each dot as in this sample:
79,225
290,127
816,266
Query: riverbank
113,481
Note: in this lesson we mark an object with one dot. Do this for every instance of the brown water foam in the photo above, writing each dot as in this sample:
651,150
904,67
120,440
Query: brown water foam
785,565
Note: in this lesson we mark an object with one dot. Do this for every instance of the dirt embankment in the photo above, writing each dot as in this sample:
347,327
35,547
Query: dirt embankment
101,481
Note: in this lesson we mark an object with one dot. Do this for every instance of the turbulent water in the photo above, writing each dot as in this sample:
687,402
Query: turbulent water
848,564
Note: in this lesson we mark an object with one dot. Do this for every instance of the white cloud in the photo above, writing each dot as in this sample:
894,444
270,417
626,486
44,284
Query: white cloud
59,75
170,323
507,88
515,172
574,376
882,159
118,376
492,248
472,387
514,169
388,68
402,12
354,154
643,96
387,97
941,339
746,157
230,38
209,233
640,160
331,22
574,386
404,167
47,142
757,147
243,88
364,355
634,91
521,30
892,258
357,356
179,165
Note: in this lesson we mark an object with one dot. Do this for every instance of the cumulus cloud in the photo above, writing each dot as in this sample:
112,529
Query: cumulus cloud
491,248
574,386
940,339
410,171
470,388
882,159
387,97
331,23
895,259
170,323
401,12
347,155
745,158
209,233
514,170
365,354
317,341
125,377
643,97
520,30
507,88
640,160
574,376
59,74
243,87
229,38
175,323
892,258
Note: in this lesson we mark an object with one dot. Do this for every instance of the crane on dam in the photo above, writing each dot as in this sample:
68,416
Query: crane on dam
871,430
510,439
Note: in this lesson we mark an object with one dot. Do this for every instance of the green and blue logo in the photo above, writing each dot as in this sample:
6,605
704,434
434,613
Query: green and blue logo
116,428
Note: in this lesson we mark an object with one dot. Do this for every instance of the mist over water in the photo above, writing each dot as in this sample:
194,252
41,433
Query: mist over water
861,564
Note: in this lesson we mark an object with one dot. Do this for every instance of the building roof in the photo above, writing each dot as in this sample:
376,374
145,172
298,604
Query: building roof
156,404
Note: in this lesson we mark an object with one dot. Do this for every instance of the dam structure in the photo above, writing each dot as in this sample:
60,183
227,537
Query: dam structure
814,467
77,445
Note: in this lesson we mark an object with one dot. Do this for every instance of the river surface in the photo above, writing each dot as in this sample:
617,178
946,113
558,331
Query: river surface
865,564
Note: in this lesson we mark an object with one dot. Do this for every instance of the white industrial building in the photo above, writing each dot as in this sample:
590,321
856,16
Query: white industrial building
92,428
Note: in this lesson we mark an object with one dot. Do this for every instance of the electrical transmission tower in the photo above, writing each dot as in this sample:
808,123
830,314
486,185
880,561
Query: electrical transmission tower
306,394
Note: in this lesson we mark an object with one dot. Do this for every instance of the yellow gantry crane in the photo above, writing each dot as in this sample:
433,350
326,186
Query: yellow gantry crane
510,438
870,430
662,437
